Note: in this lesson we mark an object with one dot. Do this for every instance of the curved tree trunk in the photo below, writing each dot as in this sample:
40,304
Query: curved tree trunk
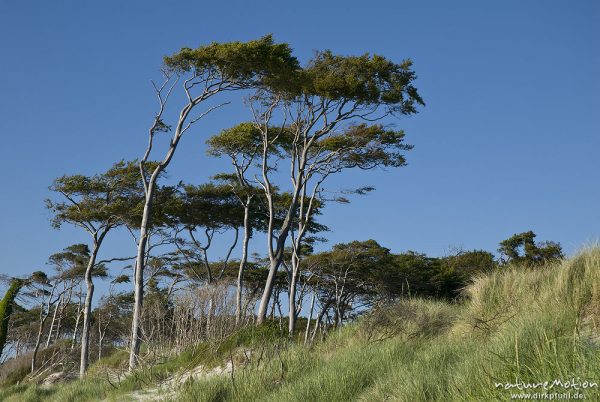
243,262
136,340
312,306
44,310
270,282
149,187
292,302
79,310
87,307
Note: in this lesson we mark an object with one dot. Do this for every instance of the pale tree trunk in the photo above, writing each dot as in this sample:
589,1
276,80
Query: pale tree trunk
298,196
138,280
149,187
312,306
243,262
37,344
275,262
275,251
209,314
304,218
65,304
304,143
100,339
79,310
87,306
278,303
102,333
318,320
212,87
292,301
44,311
58,303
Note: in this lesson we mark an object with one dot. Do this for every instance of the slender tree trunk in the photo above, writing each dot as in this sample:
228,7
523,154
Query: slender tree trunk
303,218
209,314
269,284
292,301
87,308
243,262
36,347
138,295
278,303
65,304
149,187
318,321
276,255
79,305
100,339
312,306
44,311
273,306
58,303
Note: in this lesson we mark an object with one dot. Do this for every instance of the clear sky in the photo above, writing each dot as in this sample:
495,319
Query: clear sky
508,142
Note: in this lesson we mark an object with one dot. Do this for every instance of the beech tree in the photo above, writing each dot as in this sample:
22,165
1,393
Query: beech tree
241,144
326,126
350,277
208,208
97,204
203,212
206,72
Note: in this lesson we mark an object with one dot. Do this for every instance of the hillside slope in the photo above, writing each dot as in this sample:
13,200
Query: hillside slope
517,326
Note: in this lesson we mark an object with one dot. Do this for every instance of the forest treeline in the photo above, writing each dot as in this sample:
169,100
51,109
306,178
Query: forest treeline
306,123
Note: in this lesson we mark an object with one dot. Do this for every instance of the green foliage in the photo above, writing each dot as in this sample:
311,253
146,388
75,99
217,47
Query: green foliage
471,262
16,375
6,309
245,139
370,272
240,64
72,261
38,277
521,248
366,79
366,147
107,199
208,205
363,268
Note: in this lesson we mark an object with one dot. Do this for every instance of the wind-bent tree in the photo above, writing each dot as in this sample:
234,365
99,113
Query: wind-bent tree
6,309
97,204
241,144
41,283
206,72
210,209
322,128
351,277
521,248
70,265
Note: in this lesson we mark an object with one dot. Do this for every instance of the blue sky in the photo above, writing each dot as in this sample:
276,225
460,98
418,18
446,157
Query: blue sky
508,141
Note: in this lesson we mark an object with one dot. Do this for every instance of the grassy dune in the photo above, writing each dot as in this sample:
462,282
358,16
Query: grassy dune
516,325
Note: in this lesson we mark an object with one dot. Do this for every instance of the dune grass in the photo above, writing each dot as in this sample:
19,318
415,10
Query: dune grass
516,325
